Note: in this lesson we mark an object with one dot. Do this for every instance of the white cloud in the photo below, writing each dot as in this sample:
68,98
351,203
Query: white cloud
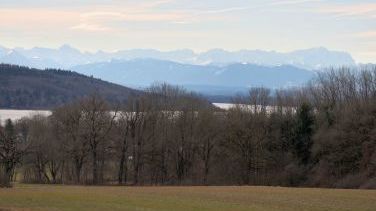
225,10
156,3
365,10
367,34
293,2
90,27
101,18
130,16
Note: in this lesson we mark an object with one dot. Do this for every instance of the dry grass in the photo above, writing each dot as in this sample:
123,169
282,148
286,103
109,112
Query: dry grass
53,197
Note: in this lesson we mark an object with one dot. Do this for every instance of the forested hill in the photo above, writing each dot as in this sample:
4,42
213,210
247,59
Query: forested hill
26,88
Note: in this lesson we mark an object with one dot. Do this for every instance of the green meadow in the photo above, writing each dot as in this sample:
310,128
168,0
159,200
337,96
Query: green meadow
102,198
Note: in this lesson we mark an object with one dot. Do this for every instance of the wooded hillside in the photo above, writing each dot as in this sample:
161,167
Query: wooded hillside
26,88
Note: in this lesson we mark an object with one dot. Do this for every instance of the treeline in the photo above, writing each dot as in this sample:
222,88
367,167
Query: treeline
322,135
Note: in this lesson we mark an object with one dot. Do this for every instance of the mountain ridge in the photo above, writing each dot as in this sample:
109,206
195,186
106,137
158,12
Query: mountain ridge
144,72
67,56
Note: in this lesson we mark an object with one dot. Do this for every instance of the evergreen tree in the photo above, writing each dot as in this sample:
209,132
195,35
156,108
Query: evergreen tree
302,142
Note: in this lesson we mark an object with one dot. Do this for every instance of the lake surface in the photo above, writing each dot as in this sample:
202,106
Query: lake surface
18,114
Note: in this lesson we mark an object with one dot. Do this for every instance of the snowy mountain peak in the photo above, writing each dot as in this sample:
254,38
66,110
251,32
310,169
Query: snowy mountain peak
67,56
69,49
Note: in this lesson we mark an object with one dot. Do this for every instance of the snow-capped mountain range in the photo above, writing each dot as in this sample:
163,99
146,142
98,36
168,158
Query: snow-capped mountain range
215,72
67,57
206,79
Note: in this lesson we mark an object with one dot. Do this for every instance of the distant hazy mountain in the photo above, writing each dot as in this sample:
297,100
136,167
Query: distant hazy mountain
314,59
318,58
207,79
67,57
185,56
215,72
3,51
25,88
13,57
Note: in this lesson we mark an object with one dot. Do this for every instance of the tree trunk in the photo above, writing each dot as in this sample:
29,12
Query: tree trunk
6,177
122,174
95,168
78,167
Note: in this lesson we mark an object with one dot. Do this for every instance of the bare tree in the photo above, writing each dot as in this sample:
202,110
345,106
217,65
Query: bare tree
69,125
10,153
96,125
208,133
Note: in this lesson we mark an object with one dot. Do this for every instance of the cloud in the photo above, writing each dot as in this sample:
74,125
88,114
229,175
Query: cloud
90,27
130,16
293,2
101,18
156,3
105,17
258,6
367,34
225,10
24,16
365,10
95,17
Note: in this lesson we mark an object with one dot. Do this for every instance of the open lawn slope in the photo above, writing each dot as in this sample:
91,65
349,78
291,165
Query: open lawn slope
50,197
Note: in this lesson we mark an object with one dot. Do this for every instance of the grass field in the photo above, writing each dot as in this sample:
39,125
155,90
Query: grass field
53,197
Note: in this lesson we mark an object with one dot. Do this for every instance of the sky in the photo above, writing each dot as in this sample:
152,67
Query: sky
280,25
